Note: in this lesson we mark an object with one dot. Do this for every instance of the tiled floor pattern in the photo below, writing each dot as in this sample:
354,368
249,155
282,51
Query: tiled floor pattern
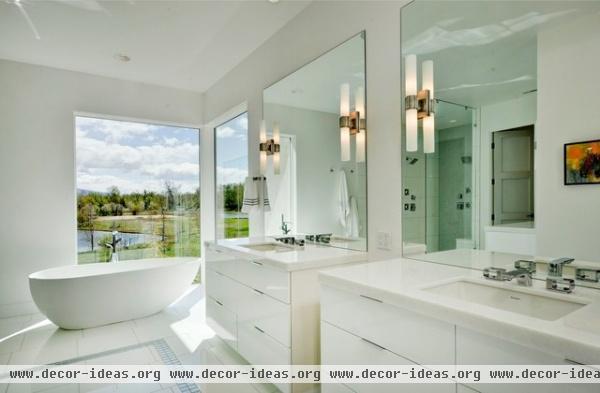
177,334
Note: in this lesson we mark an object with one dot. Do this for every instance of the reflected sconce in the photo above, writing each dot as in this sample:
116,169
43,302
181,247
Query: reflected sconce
351,123
419,105
270,147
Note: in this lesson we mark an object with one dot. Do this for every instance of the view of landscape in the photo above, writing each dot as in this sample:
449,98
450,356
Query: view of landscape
231,156
137,190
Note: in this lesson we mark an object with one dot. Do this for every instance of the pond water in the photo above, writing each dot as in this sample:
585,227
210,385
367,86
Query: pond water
129,239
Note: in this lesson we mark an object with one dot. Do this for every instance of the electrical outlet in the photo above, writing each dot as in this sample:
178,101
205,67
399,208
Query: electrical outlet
384,240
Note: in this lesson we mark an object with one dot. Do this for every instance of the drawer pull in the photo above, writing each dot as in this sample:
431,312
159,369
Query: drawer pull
371,298
257,291
374,344
574,362
259,329
218,302
257,263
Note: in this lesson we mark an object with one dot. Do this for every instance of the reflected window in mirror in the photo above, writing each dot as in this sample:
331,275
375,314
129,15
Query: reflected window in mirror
320,112
231,164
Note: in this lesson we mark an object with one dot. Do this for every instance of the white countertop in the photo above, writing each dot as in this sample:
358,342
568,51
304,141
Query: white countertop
310,256
401,281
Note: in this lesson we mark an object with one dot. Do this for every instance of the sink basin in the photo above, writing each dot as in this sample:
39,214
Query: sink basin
525,302
268,247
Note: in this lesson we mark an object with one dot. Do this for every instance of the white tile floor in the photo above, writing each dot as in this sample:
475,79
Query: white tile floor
33,339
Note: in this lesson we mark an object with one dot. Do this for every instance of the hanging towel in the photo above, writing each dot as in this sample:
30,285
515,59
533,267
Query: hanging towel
353,229
263,195
250,195
343,201
256,195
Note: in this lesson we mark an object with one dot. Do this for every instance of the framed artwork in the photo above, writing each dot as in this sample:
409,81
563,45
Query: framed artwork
582,163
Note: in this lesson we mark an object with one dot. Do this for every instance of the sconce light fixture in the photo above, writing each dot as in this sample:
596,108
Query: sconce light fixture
270,147
419,105
352,122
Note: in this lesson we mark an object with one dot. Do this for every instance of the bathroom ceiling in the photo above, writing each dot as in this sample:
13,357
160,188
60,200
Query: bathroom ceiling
484,52
182,44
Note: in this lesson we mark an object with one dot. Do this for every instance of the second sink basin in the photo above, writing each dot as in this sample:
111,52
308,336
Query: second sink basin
268,247
523,302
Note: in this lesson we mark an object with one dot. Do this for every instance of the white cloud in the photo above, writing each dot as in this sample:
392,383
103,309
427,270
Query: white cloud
225,132
108,160
231,175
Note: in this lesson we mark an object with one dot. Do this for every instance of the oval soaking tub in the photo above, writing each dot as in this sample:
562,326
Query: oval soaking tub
95,294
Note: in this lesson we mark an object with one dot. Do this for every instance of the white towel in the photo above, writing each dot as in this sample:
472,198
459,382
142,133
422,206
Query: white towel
256,195
353,229
343,201
250,195
263,195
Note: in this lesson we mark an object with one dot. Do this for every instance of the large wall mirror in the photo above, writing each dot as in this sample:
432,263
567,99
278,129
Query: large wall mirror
319,185
483,160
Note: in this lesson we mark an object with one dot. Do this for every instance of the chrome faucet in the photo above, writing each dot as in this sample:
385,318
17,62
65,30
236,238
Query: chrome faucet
522,275
284,226
555,280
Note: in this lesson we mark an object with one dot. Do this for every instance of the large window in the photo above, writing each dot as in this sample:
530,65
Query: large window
137,190
231,157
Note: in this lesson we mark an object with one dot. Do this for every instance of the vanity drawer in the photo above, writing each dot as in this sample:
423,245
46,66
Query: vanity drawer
268,314
222,321
421,339
341,347
224,289
259,348
220,260
273,282
476,348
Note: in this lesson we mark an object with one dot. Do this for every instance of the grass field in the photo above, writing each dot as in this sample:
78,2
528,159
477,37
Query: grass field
181,235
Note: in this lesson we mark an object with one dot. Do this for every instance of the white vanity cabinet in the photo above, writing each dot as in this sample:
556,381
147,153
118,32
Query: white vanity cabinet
357,328
268,314
476,348
361,329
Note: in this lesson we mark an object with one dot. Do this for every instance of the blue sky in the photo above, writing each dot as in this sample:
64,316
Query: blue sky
135,156
232,150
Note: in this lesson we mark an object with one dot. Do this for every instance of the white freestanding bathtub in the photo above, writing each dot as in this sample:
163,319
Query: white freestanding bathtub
95,294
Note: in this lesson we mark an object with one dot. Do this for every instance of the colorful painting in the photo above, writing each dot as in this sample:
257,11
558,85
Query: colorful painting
582,163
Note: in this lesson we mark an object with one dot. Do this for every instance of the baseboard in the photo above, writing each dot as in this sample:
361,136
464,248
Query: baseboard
17,309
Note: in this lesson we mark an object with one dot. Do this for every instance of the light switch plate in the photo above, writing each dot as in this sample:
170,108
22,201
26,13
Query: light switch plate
384,240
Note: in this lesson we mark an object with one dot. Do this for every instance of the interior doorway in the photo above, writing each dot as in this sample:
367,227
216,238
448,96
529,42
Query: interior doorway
512,181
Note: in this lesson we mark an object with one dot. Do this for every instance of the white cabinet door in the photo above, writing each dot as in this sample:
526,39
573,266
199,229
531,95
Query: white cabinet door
268,314
222,321
476,348
340,347
421,339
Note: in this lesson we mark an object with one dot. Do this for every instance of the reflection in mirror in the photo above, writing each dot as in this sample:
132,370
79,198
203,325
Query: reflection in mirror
482,106
317,182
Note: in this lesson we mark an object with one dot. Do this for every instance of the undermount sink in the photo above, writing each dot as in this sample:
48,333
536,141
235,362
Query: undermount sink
268,247
525,302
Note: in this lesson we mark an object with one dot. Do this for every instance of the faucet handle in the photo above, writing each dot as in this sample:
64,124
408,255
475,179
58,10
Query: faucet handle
566,285
530,266
555,267
591,275
494,273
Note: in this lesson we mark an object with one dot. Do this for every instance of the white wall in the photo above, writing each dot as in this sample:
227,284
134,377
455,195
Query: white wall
504,115
320,27
317,152
567,217
37,161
